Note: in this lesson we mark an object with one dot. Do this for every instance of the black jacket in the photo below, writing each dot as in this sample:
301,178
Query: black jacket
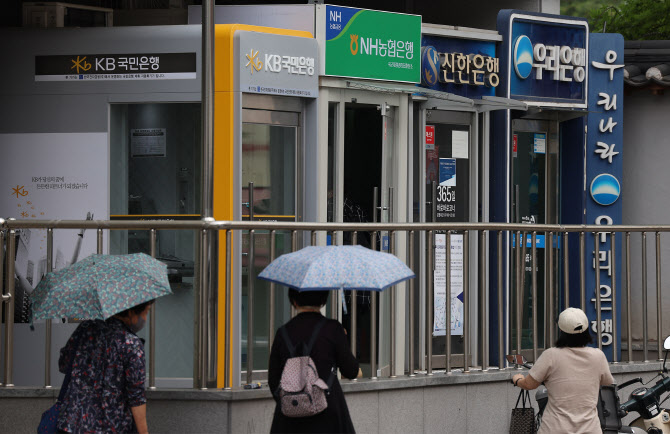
330,349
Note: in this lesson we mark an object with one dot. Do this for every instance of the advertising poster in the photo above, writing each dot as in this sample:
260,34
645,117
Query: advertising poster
440,285
448,172
54,176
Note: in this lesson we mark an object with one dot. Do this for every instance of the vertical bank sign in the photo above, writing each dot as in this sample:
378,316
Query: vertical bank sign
545,58
604,169
363,43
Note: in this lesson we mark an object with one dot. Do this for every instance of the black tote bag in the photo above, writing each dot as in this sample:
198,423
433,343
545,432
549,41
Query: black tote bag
523,418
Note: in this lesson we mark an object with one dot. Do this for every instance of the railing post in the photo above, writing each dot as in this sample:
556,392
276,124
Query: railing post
501,323
659,310
566,272
373,335
47,322
9,310
227,364
98,244
3,302
520,269
645,334
466,300
447,304
202,320
549,320
250,306
582,271
629,322
411,307
430,263
599,324
354,307
271,325
393,314
152,323
615,334
482,300
533,241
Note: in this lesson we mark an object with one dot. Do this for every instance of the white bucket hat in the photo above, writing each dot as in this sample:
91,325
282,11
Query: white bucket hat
573,321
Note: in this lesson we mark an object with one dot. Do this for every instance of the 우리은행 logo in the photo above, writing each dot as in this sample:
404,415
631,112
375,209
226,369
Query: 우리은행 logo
605,189
523,56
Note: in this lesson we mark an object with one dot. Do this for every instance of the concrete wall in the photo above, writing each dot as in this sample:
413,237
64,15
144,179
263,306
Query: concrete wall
645,188
456,403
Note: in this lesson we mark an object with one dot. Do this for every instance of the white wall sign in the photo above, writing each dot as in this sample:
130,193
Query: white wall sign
440,284
53,176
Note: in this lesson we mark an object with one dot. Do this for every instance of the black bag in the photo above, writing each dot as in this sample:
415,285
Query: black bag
49,421
523,418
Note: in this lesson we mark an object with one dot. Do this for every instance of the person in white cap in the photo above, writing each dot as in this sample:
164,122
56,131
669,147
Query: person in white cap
573,373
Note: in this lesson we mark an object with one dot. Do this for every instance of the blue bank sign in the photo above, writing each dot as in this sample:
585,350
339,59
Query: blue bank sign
604,172
463,67
545,58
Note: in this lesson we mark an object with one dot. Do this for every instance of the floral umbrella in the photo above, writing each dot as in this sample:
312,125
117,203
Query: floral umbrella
100,286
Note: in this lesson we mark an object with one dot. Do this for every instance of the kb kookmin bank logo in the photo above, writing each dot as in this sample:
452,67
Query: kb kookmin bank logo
560,62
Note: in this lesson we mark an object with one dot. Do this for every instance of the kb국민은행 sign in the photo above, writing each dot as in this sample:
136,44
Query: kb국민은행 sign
106,67
363,43
277,64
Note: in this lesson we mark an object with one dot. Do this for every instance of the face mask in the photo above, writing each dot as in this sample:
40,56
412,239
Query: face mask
139,325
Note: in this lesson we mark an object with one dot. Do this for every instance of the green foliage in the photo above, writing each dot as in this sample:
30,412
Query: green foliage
634,19
583,8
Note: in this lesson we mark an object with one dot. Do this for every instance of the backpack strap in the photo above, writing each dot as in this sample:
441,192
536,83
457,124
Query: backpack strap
315,334
287,339
312,339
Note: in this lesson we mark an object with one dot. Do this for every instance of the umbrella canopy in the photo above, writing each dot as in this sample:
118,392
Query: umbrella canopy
317,268
100,286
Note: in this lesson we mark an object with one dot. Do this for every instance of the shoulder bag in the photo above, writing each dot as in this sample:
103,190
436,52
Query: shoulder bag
523,418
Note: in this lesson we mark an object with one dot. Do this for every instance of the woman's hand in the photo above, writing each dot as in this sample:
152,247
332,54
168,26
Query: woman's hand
517,378
525,382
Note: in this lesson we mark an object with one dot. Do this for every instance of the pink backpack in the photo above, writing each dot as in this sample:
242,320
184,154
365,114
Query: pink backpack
301,392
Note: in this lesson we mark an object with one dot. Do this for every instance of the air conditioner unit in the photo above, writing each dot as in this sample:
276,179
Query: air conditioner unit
56,14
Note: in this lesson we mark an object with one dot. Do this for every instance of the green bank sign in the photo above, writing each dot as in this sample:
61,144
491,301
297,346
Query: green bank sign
373,44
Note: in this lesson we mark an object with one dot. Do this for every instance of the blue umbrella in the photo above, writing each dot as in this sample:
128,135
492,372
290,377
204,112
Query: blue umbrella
318,268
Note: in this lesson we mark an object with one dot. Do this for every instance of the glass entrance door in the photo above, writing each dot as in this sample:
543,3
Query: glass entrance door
534,201
270,151
447,159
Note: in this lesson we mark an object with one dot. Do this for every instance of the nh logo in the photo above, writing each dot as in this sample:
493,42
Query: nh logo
336,16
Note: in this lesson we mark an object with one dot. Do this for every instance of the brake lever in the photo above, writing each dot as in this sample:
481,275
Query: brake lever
629,382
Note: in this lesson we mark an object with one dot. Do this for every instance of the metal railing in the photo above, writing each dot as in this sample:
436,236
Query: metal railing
502,250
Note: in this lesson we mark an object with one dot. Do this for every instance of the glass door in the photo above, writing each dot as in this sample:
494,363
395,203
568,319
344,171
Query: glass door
448,160
270,151
534,201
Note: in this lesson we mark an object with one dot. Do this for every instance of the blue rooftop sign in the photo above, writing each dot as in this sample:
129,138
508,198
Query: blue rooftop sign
544,57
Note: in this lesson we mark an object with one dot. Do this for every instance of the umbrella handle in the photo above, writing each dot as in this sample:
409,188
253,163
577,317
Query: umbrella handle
344,304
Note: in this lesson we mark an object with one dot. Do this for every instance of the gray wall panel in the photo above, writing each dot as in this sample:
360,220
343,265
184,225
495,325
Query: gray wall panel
645,186
22,45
